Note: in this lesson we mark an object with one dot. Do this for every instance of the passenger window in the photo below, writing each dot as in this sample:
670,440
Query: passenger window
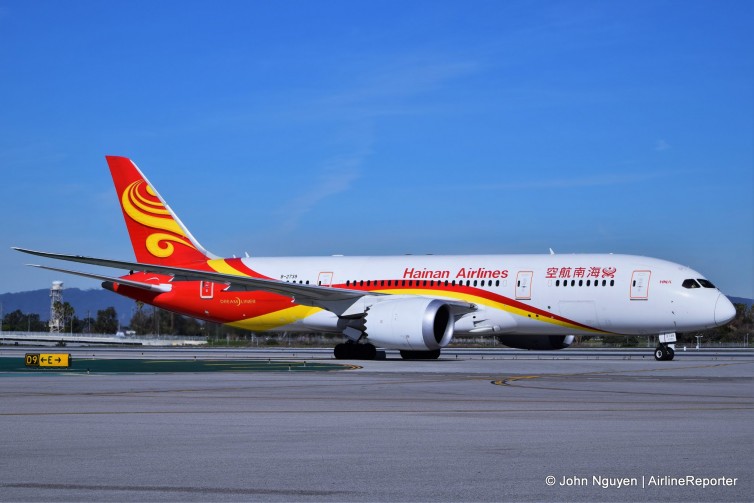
690,283
705,283
557,282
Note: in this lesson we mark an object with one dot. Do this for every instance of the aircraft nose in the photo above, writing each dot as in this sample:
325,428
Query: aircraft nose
724,310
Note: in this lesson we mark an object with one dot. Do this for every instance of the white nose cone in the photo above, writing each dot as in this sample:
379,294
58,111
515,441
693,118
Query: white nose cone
724,310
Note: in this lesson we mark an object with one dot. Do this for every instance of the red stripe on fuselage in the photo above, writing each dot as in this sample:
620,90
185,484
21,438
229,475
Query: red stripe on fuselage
425,285
227,307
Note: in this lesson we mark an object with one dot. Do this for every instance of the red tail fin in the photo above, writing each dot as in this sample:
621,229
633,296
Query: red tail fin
157,234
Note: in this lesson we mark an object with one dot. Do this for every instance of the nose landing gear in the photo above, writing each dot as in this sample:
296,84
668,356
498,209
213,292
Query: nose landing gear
665,350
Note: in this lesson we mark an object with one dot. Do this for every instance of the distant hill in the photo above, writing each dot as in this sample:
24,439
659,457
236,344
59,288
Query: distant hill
741,300
83,302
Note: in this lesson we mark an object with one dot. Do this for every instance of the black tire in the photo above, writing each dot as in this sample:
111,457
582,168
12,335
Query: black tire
367,351
660,354
420,355
354,351
341,352
670,353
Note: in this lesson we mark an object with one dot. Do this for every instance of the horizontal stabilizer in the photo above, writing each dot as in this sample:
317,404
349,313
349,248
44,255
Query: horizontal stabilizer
160,288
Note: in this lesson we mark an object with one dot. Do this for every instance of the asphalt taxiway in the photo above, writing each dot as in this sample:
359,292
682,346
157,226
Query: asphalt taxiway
475,426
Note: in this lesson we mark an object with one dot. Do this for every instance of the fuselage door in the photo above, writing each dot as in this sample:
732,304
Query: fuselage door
640,285
325,279
206,289
523,285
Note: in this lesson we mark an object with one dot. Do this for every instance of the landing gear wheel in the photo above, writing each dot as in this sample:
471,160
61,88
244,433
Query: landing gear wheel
670,353
664,353
354,351
340,352
420,355
367,351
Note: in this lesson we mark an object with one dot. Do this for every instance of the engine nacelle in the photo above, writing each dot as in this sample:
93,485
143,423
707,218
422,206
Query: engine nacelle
413,323
539,342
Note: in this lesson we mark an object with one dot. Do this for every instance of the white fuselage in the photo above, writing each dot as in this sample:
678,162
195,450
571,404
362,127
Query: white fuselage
523,294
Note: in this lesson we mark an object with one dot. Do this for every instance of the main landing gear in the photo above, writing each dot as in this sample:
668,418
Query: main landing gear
354,351
420,355
664,352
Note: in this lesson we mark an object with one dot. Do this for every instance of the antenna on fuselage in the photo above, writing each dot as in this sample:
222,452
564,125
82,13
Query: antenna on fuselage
552,252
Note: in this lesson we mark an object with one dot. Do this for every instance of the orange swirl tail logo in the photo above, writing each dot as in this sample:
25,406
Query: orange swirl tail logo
142,204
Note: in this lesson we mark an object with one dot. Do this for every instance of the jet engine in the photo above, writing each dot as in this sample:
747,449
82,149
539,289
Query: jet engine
539,342
413,324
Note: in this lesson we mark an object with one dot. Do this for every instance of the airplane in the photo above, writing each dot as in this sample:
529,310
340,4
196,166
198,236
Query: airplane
411,303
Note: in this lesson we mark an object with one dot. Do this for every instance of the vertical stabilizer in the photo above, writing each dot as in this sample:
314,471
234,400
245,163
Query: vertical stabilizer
157,234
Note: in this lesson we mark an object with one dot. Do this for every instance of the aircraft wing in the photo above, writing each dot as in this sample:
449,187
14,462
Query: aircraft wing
332,299
295,290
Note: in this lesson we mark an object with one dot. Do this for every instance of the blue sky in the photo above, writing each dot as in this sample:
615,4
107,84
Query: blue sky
315,128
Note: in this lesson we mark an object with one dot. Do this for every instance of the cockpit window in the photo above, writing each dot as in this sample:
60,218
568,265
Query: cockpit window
690,283
705,283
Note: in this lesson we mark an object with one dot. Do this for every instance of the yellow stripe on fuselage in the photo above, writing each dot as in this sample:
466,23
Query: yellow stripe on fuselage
495,305
276,319
293,314
221,266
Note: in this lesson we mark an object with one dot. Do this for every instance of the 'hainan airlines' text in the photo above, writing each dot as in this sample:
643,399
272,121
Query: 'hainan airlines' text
462,273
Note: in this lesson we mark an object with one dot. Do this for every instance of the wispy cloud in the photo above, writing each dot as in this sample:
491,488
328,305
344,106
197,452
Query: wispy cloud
337,176
661,145
598,180
378,91
400,80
